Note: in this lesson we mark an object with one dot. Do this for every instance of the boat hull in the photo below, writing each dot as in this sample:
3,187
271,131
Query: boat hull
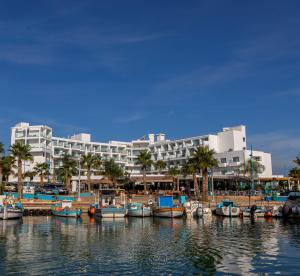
139,212
228,211
110,213
174,212
10,213
67,213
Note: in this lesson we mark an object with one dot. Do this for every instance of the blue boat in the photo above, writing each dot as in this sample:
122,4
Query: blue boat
139,210
64,209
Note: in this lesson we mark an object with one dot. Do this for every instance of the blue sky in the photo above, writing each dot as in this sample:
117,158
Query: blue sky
120,69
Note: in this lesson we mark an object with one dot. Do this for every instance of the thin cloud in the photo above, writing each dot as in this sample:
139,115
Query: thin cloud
129,119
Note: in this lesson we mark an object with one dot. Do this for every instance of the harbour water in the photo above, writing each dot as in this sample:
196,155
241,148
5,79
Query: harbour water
149,246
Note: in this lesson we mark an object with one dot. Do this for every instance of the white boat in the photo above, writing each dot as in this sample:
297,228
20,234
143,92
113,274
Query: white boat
196,209
291,208
9,209
10,212
191,208
227,209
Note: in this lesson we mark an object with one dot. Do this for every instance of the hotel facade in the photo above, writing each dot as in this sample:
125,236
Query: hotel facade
230,145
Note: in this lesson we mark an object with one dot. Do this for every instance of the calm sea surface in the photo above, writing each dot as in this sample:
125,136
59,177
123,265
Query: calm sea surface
58,246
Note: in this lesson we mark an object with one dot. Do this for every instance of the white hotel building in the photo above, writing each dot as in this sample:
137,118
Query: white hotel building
229,144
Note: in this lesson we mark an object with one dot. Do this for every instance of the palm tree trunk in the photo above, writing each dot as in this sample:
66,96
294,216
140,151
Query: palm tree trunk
89,180
177,180
204,185
42,179
20,184
196,186
144,180
68,184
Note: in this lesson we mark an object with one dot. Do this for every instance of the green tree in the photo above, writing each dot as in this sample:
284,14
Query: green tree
67,170
42,170
20,153
90,162
295,174
145,161
174,172
202,160
113,171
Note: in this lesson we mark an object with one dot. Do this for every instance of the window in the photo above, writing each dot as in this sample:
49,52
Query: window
236,159
223,160
244,139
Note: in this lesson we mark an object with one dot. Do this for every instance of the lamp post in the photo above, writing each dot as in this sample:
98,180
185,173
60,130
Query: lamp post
252,178
79,175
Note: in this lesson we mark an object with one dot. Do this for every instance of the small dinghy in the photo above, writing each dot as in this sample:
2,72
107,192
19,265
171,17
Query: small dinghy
64,209
227,209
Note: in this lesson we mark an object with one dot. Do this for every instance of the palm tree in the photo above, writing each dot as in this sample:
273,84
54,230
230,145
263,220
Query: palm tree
67,170
145,161
189,169
113,171
90,162
7,163
297,160
160,165
295,174
1,165
174,172
21,153
253,168
30,175
42,170
203,159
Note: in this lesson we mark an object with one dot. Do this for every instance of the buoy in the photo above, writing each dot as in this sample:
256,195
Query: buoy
268,214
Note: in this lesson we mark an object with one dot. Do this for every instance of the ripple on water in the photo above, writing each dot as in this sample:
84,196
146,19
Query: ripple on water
51,246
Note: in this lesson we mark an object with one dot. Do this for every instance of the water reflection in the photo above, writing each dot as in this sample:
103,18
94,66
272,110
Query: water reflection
60,246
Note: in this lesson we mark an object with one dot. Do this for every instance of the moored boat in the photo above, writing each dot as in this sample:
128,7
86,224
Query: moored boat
64,209
291,208
107,206
227,209
139,210
9,209
257,212
166,208
110,211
